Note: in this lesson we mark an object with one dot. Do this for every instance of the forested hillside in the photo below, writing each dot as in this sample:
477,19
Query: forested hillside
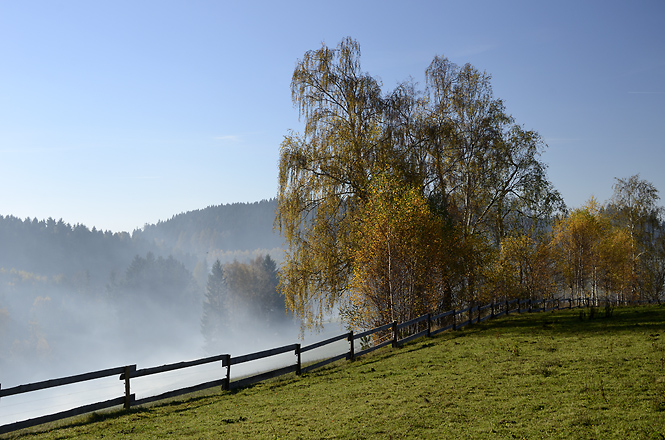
233,227
57,249
70,254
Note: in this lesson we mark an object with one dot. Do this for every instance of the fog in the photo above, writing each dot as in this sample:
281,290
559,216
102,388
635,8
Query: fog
63,333
75,300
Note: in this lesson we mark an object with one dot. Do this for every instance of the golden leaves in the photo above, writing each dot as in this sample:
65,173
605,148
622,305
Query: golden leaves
397,246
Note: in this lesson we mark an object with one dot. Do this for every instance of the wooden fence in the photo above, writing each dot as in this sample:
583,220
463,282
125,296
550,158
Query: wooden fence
398,334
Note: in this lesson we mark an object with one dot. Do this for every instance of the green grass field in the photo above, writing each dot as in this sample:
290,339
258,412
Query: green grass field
531,376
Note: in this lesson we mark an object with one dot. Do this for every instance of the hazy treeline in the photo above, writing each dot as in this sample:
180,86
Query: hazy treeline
72,255
77,255
70,292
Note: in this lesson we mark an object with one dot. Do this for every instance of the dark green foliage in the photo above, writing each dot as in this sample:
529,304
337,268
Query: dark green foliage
73,253
84,259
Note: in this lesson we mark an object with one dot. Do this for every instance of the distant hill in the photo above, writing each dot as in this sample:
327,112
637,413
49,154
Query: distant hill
232,227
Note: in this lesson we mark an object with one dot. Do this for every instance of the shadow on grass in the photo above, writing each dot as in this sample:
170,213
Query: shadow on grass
577,321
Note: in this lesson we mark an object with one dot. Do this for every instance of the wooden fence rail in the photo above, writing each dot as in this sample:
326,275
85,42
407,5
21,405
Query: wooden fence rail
401,333
20,389
269,374
224,383
346,336
438,318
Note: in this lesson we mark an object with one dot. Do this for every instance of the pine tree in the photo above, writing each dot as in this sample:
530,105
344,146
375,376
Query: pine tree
215,316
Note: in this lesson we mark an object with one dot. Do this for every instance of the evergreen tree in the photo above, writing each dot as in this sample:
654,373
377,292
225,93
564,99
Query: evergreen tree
215,316
273,305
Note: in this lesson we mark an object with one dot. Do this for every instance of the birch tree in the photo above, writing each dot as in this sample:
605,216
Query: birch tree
453,143
324,176
577,237
403,260
634,205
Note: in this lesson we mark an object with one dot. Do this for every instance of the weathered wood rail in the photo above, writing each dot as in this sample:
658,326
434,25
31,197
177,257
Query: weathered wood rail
400,333
20,389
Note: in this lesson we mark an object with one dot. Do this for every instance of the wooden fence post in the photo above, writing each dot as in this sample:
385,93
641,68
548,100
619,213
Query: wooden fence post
298,360
454,320
226,362
507,311
394,334
352,349
128,401
429,325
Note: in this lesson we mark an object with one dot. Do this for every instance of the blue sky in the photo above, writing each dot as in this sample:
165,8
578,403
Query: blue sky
115,114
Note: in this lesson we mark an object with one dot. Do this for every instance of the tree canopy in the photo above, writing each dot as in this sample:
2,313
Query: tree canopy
452,147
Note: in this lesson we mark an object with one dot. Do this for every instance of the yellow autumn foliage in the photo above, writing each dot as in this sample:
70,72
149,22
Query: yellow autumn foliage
399,264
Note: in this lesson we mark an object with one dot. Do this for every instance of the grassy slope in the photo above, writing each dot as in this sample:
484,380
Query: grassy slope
546,375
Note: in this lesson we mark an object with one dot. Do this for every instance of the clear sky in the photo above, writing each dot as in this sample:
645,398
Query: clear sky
119,113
